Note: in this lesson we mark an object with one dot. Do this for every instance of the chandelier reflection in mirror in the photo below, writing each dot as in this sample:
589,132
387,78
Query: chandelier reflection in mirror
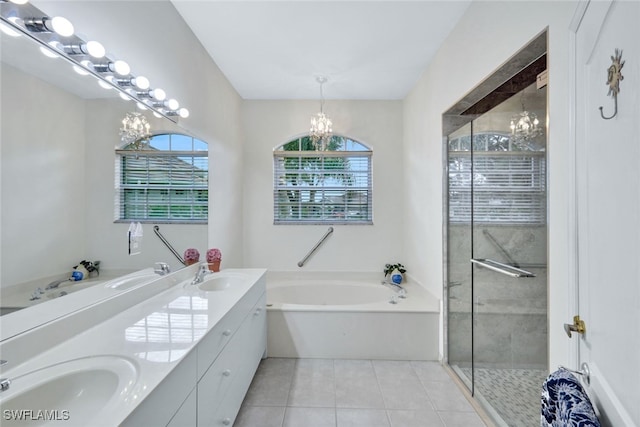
57,39
134,133
321,125
524,127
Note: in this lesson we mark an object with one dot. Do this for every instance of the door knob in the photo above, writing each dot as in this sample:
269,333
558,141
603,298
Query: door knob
577,326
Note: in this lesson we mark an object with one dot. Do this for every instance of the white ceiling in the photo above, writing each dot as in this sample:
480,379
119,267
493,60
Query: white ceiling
366,49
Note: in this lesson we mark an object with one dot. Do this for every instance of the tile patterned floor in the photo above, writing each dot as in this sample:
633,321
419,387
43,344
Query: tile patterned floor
354,393
513,393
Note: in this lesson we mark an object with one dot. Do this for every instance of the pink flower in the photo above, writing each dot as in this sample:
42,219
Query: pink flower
214,255
191,255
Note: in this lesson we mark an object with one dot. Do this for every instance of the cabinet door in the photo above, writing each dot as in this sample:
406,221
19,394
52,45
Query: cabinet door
215,382
164,402
186,415
223,387
218,406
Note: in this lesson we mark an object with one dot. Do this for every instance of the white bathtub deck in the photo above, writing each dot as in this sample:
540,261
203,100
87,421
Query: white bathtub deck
408,330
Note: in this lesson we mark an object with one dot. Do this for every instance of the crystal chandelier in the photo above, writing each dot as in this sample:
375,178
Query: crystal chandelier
524,127
321,130
135,131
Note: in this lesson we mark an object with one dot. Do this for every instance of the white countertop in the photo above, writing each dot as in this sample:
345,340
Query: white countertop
154,335
35,313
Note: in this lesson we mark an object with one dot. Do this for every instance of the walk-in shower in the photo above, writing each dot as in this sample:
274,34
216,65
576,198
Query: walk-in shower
496,238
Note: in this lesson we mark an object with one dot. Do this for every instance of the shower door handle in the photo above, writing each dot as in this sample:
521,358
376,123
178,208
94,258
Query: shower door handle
499,267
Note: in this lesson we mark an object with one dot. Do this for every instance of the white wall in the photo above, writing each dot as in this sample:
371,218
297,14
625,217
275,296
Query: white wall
268,124
43,167
488,34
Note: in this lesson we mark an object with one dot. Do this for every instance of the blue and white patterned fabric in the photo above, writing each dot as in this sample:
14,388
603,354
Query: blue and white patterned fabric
565,403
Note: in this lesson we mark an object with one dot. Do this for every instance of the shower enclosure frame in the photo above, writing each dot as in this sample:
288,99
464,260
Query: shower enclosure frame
463,112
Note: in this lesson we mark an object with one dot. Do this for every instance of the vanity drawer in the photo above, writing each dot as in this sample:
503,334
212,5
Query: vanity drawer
215,382
212,344
223,387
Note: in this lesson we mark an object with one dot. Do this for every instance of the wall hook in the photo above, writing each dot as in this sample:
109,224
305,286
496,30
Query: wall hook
615,108
614,76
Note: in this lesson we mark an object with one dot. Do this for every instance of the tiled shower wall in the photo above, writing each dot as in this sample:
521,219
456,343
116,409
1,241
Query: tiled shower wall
510,322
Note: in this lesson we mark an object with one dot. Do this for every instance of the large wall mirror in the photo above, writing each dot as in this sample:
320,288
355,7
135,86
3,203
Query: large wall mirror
54,124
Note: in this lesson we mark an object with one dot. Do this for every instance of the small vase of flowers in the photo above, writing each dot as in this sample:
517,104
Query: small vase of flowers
214,257
395,272
191,256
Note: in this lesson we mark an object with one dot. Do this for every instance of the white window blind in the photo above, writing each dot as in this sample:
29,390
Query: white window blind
322,187
163,185
508,187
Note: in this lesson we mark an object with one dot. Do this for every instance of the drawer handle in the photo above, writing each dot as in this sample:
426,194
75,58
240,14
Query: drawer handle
226,372
227,332
257,313
226,421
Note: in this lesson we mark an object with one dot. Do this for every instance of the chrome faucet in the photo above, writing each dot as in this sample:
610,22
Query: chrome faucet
402,292
55,284
202,271
36,295
4,382
162,268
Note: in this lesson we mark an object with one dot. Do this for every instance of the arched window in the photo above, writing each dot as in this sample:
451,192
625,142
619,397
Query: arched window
322,187
164,179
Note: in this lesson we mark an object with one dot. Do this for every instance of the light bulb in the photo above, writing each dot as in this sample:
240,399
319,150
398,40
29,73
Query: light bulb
95,49
60,25
158,94
183,112
8,30
80,71
121,67
19,1
172,104
104,84
140,82
56,45
48,52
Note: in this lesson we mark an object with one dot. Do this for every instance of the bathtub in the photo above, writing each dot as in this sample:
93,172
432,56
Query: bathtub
349,316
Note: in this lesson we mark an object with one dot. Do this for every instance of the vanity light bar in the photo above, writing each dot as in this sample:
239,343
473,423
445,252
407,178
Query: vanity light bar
92,48
57,24
56,37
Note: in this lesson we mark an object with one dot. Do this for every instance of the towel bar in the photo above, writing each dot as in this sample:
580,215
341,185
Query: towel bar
584,372
499,267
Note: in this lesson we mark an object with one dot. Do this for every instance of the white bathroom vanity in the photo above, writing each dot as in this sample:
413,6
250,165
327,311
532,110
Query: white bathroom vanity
159,352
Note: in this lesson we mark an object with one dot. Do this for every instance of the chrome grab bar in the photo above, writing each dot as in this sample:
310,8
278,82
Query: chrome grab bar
156,229
322,239
499,267
500,247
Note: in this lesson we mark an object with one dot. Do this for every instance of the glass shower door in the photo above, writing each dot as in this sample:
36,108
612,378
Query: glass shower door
496,286
459,246
509,253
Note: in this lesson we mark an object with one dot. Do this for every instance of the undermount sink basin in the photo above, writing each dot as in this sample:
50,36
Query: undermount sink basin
220,281
133,279
76,392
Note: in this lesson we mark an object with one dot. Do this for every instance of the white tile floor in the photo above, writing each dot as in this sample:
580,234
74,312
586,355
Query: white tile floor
354,393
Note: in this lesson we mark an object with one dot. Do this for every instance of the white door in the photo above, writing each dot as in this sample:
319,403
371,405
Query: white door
608,208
